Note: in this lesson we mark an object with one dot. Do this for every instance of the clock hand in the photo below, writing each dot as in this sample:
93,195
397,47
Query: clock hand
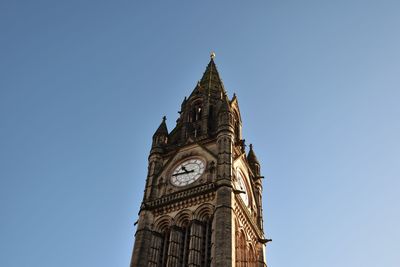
180,173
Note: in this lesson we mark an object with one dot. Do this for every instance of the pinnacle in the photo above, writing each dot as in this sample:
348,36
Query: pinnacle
162,129
210,83
251,157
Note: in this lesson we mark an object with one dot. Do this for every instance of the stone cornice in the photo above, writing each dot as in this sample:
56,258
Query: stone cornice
181,199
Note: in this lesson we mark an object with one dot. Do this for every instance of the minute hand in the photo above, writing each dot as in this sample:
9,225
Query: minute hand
180,173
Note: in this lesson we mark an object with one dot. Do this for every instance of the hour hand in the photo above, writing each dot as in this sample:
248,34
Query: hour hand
185,170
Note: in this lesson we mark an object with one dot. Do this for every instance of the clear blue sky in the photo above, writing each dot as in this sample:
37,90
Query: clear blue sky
84,84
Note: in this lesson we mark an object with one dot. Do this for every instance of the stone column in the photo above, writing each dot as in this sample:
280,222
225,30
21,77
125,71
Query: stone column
223,226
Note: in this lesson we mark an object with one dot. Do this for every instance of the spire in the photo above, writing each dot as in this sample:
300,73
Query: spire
211,80
197,90
162,129
251,157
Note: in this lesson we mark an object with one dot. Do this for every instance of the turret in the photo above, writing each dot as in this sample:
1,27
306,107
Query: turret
160,137
160,140
253,161
225,141
225,117
255,167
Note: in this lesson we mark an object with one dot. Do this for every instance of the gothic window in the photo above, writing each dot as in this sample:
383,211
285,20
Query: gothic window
195,112
159,248
174,249
162,261
192,115
245,253
184,253
241,251
198,112
206,245
187,243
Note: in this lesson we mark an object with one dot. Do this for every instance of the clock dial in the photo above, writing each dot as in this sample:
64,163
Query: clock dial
187,172
241,185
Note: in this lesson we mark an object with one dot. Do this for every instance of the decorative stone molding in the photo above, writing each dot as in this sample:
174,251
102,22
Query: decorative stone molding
247,219
182,199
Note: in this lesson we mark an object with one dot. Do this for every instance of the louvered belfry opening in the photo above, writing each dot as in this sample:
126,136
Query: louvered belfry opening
159,248
182,241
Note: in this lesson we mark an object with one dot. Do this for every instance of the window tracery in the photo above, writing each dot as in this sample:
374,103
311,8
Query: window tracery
245,254
186,242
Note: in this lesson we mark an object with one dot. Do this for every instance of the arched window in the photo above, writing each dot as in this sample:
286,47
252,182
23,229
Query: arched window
201,236
195,112
206,244
162,260
160,243
184,253
198,111
186,243
241,251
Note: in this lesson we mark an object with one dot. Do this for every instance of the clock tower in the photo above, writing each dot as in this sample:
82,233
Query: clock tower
202,203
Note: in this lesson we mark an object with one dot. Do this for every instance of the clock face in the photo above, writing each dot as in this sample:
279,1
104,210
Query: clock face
241,185
187,172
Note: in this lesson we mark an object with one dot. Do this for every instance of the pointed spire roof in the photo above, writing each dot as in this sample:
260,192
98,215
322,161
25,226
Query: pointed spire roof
251,157
162,129
211,80
198,89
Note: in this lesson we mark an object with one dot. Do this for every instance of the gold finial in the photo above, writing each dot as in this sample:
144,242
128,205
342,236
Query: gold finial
212,55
